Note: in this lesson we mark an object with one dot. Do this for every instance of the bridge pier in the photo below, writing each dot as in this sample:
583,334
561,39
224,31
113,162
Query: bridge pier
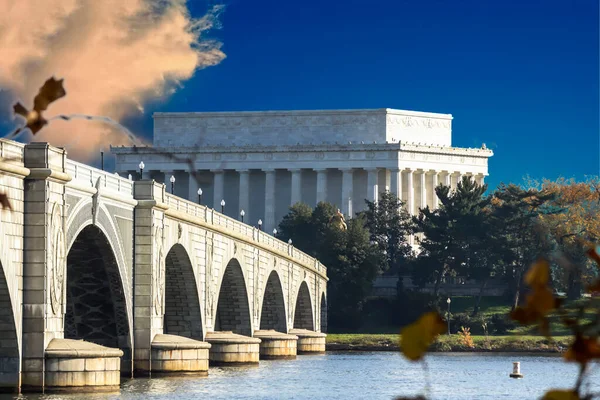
176,355
75,365
229,348
276,345
309,342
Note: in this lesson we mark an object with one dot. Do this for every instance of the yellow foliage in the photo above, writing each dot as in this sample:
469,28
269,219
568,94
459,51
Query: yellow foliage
417,337
465,335
583,349
558,394
538,274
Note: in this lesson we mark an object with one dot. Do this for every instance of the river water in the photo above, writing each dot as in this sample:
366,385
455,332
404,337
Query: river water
364,375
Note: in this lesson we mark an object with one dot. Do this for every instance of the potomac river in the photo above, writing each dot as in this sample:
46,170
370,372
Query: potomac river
360,375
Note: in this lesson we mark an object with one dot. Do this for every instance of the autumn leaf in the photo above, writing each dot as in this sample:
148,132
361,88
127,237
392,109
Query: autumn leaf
51,91
538,274
593,254
559,394
417,337
583,349
4,201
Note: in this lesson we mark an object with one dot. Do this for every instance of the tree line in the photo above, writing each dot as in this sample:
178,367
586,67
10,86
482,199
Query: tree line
471,234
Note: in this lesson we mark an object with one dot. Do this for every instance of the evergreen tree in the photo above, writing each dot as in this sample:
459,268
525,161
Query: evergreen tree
390,225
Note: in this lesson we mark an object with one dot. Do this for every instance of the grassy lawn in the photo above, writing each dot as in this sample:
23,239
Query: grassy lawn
451,342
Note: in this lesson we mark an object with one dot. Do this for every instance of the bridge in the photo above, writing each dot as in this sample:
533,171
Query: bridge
102,276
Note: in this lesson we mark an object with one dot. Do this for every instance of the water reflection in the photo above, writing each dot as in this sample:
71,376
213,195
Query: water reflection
356,376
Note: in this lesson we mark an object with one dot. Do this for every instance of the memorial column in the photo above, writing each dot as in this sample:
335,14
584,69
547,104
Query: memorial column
296,186
321,185
347,191
269,222
410,198
244,201
192,187
434,183
396,183
372,184
423,182
218,186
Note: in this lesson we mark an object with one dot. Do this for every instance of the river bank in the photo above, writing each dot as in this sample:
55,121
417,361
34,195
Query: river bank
450,343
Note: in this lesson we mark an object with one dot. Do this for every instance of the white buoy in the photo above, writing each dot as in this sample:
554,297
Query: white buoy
516,372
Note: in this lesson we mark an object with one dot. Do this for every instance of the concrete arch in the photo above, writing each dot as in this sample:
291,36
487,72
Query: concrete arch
233,305
97,309
272,314
323,309
303,311
9,345
183,314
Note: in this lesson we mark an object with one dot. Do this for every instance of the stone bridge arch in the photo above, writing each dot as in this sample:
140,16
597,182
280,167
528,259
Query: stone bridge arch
233,304
303,311
323,310
9,345
97,305
183,312
273,311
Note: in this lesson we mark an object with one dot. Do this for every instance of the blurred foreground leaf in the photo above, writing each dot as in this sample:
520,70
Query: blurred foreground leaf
50,91
418,336
560,395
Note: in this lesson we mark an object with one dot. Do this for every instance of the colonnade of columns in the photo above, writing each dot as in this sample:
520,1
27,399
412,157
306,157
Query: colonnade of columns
414,186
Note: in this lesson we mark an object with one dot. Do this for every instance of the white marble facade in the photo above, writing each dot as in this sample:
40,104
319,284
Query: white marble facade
263,162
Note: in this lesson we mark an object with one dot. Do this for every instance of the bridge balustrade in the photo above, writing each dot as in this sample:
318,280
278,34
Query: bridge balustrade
87,176
213,217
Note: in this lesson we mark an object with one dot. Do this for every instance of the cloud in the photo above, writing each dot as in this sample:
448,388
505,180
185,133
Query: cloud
114,55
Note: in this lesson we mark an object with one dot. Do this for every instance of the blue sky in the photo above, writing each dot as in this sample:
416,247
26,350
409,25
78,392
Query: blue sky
521,76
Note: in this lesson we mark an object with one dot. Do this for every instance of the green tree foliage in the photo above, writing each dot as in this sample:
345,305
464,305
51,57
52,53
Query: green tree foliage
518,211
453,237
390,225
352,262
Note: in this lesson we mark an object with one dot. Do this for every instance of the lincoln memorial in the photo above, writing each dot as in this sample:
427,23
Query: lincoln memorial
263,162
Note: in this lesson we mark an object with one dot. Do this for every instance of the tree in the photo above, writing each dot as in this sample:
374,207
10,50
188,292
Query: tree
453,239
518,210
351,261
390,226
573,231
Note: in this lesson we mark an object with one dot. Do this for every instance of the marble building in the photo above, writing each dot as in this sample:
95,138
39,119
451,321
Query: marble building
263,162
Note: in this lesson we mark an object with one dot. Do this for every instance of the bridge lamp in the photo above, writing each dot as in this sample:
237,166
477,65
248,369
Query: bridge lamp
222,206
130,177
242,213
199,195
290,241
141,169
448,316
260,224
274,231
172,180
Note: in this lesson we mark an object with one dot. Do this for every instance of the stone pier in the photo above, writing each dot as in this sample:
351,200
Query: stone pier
276,345
229,348
179,355
75,365
309,342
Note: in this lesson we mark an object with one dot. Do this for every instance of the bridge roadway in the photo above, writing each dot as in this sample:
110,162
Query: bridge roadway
102,277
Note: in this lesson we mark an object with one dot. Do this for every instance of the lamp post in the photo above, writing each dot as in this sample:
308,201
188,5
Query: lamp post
290,241
102,160
199,195
448,315
141,170
274,231
172,180
222,206
242,213
260,224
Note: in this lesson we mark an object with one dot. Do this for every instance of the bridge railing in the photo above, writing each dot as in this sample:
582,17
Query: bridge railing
213,217
12,152
88,176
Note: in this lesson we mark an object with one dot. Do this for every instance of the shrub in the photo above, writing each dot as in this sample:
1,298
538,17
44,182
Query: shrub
499,324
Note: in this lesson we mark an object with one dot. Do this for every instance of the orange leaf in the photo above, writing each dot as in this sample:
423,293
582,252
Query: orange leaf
538,274
541,301
50,91
560,394
593,254
4,201
418,336
583,349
